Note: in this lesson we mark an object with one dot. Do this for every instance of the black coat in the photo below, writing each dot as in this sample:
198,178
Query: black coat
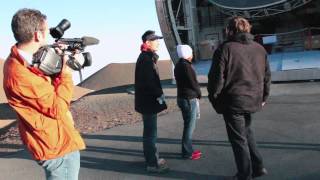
147,84
187,84
239,78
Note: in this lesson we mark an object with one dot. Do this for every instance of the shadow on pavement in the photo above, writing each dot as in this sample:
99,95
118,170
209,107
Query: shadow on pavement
159,140
313,176
6,112
16,151
266,145
129,152
138,168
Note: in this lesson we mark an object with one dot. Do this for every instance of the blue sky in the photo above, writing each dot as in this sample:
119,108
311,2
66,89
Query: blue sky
117,24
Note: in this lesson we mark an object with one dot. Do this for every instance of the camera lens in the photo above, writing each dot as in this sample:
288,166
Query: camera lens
58,31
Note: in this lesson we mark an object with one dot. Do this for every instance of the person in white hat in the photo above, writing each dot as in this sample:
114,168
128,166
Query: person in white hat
188,99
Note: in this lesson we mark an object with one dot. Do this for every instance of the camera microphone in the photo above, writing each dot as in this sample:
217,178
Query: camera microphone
87,41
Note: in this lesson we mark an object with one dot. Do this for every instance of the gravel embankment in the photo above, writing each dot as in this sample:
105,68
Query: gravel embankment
92,113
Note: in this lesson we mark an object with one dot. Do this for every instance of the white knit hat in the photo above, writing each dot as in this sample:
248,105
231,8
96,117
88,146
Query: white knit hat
184,51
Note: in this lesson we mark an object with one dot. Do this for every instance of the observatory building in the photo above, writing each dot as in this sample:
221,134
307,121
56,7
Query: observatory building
288,29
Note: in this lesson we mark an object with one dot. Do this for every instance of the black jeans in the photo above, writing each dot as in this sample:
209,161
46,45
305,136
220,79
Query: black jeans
247,156
149,139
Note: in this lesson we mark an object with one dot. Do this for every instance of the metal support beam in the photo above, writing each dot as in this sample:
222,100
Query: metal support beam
168,27
262,11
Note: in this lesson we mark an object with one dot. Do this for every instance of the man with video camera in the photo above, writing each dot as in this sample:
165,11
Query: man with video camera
42,102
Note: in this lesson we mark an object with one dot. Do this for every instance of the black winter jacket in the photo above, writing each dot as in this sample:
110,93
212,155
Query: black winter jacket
187,84
239,78
147,84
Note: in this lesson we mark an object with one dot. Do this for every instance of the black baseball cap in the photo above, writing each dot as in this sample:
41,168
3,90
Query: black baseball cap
150,36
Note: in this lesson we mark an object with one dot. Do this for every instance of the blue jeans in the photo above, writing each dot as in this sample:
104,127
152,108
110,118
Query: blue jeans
63,168
189,111
149,139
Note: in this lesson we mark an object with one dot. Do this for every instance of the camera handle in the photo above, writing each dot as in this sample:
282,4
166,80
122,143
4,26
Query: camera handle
80,74
75,65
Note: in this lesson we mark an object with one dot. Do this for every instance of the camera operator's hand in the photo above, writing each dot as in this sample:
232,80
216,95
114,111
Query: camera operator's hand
65,68
65,58
60,48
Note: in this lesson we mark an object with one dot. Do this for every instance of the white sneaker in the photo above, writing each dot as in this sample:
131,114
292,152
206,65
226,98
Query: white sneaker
161,168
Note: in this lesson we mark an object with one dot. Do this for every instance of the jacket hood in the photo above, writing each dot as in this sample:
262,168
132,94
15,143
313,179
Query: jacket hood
154,55
244,38
185,60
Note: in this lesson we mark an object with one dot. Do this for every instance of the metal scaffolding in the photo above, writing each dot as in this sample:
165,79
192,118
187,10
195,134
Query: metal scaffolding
262,10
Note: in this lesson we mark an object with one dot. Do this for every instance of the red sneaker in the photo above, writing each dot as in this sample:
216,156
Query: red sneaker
195,156
197,152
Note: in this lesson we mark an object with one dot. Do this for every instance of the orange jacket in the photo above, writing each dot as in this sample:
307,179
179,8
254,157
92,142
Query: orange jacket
45,122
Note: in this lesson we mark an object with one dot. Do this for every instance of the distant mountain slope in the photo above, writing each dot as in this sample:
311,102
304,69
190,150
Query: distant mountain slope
2,94
119,74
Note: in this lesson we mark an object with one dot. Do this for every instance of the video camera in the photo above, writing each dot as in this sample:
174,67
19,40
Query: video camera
50,63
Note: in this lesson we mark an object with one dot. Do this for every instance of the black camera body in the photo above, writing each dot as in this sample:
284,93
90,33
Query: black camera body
50,63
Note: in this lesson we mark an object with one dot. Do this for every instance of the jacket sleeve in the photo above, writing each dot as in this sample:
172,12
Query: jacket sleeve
40,94
216,77
267,80
191,77
150,80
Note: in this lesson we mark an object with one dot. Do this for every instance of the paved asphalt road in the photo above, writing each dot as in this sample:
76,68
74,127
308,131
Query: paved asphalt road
287,132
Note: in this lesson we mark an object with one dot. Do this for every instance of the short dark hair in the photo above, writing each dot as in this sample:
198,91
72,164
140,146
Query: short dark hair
238,24
25,22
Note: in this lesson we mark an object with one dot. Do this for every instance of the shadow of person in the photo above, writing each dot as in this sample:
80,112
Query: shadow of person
139,169
222,143
6,112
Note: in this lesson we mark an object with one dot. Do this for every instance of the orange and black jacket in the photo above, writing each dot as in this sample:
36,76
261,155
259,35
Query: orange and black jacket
42,106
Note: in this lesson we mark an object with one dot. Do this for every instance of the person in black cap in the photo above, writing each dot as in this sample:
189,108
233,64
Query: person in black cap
149,99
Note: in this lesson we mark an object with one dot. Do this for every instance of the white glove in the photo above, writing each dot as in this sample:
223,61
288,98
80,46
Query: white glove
198,109
161,99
